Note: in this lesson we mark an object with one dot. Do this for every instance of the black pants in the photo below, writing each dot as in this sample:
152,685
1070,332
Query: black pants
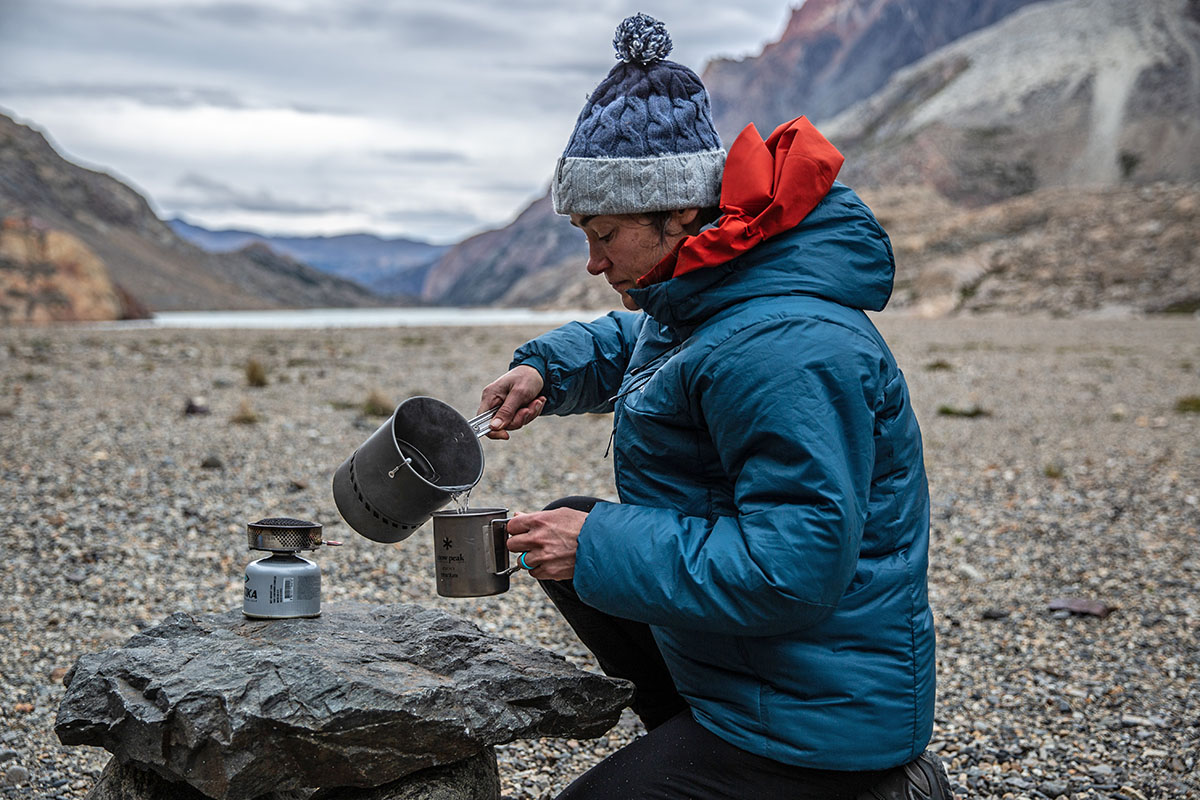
678,759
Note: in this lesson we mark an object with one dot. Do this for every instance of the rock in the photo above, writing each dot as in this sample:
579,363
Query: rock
16,775
7,754
1081,605
1053,788
49,275
196,406
358,697
212,462
474,778
127,782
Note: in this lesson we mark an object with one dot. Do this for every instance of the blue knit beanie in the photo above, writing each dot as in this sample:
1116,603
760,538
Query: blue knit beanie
645,140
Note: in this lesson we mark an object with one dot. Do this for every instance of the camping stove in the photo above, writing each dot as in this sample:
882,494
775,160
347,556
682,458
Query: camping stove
283,585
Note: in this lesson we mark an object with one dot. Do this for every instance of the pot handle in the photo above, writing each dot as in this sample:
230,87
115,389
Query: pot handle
480,424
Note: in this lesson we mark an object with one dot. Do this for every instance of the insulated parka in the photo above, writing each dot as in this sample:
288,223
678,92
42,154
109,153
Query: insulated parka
773,518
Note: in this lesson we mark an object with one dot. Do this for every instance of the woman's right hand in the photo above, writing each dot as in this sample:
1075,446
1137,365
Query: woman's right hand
518,392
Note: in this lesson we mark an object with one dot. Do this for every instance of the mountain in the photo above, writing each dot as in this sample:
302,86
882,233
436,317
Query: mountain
1060,251
386,266
486,266
1042,108
1069,93
51,276
144,257
835,53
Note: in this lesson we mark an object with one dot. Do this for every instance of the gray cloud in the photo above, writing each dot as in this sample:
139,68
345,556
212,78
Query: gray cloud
239,16
419,155
161,96
208,194
147,94
442,217
428,26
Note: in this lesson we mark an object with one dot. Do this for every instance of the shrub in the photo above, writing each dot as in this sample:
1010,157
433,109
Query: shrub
377,405
1188,404
246,415
256,373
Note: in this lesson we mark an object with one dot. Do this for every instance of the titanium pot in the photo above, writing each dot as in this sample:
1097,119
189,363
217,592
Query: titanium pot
415,463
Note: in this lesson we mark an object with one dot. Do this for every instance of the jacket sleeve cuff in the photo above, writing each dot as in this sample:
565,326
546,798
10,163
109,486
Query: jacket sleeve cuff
531,360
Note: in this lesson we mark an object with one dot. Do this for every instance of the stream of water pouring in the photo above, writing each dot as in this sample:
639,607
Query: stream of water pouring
461,500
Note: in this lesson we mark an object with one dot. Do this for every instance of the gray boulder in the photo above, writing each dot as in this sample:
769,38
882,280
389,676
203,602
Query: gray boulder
359,697
473,778
127,782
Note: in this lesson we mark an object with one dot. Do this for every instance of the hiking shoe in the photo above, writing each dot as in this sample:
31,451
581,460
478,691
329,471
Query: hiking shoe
922,779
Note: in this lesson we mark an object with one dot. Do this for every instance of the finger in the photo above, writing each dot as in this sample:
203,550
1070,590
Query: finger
520,524
524,417
489,398
507,411
522,544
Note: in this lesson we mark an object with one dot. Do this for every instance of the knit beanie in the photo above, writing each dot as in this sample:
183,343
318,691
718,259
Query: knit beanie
645,140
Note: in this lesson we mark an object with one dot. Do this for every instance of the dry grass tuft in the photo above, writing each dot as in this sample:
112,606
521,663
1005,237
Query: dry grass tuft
256,373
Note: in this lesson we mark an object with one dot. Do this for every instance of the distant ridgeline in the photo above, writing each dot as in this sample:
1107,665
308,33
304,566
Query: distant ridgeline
388,267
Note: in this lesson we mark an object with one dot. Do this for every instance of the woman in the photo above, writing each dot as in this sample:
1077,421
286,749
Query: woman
762,579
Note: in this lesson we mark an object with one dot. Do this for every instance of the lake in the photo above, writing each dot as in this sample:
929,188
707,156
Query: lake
355,318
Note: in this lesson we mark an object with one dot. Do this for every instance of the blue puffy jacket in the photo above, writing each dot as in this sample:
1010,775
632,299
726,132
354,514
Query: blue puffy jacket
774,515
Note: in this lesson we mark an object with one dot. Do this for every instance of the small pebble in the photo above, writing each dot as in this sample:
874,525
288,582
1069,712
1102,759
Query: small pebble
16,775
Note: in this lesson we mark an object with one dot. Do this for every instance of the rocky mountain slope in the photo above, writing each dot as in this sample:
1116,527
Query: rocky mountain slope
139,251
487,266
1053,110
1068,93
835,53
51,276
1056,251
385,266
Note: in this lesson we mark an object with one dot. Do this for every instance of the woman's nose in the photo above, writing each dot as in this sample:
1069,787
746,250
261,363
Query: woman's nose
597,262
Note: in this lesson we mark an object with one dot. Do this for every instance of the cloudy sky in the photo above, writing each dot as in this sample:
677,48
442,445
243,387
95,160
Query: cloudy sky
432,120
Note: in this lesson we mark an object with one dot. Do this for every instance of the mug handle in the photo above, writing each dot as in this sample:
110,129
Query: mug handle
499,531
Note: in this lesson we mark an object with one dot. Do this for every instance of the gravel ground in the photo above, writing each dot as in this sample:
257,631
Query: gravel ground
1062,464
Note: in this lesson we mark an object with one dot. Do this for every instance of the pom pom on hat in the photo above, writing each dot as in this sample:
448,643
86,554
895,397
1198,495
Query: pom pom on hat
645,139
642,39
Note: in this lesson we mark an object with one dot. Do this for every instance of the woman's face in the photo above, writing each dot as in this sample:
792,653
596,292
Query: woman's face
624,247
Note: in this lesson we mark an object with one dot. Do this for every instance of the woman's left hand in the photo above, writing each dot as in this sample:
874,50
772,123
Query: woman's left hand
549,540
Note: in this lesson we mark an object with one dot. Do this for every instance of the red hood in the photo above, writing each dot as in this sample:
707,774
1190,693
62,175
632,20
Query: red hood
767,188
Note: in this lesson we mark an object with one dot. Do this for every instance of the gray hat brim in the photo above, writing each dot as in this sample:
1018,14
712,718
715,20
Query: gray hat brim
593,186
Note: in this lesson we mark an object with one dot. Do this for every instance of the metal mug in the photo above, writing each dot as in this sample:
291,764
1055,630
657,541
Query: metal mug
414,464
469,553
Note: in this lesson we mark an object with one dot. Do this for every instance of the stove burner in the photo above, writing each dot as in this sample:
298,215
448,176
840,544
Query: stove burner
283,535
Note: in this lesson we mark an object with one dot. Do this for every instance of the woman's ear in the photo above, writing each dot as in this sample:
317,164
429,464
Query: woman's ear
682,219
